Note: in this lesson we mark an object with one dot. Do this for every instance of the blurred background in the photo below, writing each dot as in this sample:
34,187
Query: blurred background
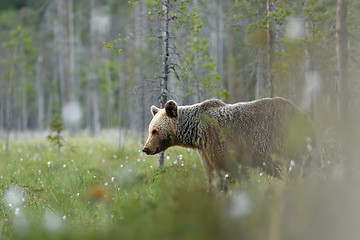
101,61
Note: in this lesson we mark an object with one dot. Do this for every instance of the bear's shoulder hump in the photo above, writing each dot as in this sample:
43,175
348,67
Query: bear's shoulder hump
212,103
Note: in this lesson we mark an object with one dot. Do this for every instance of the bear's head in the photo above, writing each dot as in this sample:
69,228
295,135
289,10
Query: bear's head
162,128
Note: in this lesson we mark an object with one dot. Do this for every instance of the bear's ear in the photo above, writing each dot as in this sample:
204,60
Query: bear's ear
154,110
171,108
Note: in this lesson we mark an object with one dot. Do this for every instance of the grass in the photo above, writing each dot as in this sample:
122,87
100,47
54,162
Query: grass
98,192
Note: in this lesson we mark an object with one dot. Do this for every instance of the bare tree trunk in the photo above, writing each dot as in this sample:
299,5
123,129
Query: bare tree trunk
61,47
139,45
258,81
93,106
230,79
269,50
110,93
8,98
346,134
24,111
165,77
341,58
2,100
197,83
39,94
122,79
217,35
71,50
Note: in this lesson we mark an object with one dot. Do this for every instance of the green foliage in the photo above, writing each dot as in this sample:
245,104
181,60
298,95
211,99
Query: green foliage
56,127
198,68
14,4
100,192
21,48
55,137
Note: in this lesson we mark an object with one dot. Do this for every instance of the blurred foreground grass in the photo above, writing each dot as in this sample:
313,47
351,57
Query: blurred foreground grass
99,192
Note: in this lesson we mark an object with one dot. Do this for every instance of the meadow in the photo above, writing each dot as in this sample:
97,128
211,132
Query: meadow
97,191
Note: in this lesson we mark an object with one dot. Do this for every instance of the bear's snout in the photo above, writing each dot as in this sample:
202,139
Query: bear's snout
146,150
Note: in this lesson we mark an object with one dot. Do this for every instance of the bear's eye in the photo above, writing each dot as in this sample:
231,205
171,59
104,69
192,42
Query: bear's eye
154,131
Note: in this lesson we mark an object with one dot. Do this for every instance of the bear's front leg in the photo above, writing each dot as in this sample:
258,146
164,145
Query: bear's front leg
208,168
214,170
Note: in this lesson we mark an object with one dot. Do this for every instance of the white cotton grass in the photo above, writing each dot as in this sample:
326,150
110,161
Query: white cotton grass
240,205
13,197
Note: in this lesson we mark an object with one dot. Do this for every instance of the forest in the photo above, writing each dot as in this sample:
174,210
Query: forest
78,78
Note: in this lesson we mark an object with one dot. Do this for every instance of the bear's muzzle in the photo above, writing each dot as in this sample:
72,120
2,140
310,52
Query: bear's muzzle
149,152
146,150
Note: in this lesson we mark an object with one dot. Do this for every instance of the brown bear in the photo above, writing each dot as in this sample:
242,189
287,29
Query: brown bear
246,134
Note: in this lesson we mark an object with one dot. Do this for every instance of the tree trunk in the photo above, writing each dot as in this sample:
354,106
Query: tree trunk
258,81
93,105
341,59
61,47
71,41
269,50
8,100
140,44
165,77
346,134
39,95
110,94
24,111
230,79
1,108
121,80
217,35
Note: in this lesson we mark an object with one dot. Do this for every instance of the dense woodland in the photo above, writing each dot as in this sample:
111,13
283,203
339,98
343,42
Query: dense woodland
116,58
